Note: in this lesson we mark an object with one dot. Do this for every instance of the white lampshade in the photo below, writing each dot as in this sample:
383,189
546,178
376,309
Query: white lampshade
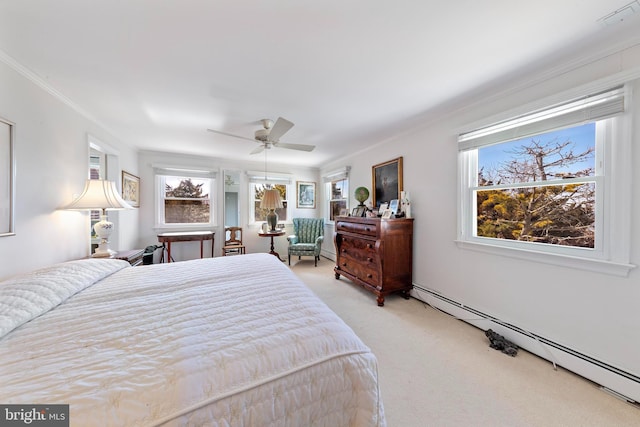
271,199
103,195
99,194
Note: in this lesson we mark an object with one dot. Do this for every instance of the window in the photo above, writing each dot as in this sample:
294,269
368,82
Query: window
337,191
260,214
184,199
339,196
258,182
543,182
539,189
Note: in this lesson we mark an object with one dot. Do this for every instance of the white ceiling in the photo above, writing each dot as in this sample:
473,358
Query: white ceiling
348,73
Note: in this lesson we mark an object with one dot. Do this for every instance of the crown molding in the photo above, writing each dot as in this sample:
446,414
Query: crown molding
44,85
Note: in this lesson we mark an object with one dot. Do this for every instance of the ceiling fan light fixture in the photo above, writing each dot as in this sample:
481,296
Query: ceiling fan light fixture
269,136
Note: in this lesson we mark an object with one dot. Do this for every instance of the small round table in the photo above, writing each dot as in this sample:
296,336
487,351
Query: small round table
272,234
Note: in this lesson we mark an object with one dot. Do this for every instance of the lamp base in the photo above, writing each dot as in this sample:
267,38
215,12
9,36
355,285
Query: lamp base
108,254
103,251
103,229
272,220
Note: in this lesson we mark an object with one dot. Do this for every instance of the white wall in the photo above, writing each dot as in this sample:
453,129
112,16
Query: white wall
254,243
51,155
593,313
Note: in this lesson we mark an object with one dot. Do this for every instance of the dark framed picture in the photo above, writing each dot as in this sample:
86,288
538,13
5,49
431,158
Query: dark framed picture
131,189
7,178
387,181
306,194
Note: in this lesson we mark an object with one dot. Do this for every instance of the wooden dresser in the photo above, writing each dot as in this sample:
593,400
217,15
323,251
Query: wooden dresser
375,253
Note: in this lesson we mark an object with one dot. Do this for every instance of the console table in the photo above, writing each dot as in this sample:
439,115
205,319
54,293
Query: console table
186,236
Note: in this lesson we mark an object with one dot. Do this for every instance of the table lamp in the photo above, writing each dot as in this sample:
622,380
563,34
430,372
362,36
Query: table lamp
271,200
103,195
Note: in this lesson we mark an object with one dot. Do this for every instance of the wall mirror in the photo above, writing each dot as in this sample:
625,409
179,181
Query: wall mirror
7,179
231,198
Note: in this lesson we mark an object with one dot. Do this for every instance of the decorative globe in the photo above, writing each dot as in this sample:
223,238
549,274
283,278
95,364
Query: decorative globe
361,194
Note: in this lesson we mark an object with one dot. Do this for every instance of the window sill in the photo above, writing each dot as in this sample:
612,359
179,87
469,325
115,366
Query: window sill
595,265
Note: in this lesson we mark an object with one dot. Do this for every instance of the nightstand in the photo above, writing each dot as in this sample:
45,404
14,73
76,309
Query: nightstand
133,257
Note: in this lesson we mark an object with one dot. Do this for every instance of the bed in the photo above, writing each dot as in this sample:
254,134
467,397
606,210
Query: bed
229,341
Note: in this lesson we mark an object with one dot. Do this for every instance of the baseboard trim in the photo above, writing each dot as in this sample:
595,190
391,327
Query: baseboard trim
622,382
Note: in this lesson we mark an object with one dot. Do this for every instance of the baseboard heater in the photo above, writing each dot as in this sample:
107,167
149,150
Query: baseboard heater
624,385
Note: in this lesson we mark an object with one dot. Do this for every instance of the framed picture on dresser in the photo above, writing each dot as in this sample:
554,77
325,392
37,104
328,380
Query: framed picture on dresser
387,181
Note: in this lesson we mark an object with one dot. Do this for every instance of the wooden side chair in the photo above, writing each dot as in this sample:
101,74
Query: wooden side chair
233,241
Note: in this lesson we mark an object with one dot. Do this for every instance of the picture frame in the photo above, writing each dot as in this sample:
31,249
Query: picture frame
131,189
359,211
387,214
7,178
387,181
393,206
305,195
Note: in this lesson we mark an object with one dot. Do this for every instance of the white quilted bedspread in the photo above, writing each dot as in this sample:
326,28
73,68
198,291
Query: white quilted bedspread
231,341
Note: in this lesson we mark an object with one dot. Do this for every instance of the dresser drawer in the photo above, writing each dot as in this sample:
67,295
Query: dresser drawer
365,272
361,249
354,227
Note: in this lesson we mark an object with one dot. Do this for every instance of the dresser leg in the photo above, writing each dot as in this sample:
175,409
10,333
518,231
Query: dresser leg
381,301
337,276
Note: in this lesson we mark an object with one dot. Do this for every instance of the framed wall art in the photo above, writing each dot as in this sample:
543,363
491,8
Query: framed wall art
387,181
131,189
306,194
7,178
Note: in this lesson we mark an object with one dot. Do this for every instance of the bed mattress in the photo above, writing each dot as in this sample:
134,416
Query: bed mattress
230,341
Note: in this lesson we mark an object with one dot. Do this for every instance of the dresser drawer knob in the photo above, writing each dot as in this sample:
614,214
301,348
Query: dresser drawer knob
344,264
369,276
369,245
370,259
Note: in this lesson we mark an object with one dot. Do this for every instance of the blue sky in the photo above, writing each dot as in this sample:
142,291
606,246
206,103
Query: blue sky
582,136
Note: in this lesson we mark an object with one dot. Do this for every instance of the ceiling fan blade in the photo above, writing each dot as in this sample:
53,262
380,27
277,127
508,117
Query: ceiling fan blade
230,134
280,127
300,147
257,150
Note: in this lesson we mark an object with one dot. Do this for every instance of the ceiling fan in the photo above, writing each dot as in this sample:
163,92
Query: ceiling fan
269,136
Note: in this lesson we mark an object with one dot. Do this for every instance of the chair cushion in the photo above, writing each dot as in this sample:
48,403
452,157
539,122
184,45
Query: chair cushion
303,247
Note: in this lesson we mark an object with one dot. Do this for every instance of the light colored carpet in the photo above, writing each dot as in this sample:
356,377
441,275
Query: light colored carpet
439,371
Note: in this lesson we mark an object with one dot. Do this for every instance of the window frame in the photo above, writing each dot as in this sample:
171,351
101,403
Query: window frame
252,202
612,247
160,180
270,178
330,199
341,174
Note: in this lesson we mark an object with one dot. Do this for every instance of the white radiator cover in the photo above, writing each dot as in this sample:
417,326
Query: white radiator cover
621,382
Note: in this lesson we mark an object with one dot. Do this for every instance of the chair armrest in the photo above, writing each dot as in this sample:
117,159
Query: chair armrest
319,240
293,239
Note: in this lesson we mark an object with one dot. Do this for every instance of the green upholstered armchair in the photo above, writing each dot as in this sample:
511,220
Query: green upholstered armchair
308,237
